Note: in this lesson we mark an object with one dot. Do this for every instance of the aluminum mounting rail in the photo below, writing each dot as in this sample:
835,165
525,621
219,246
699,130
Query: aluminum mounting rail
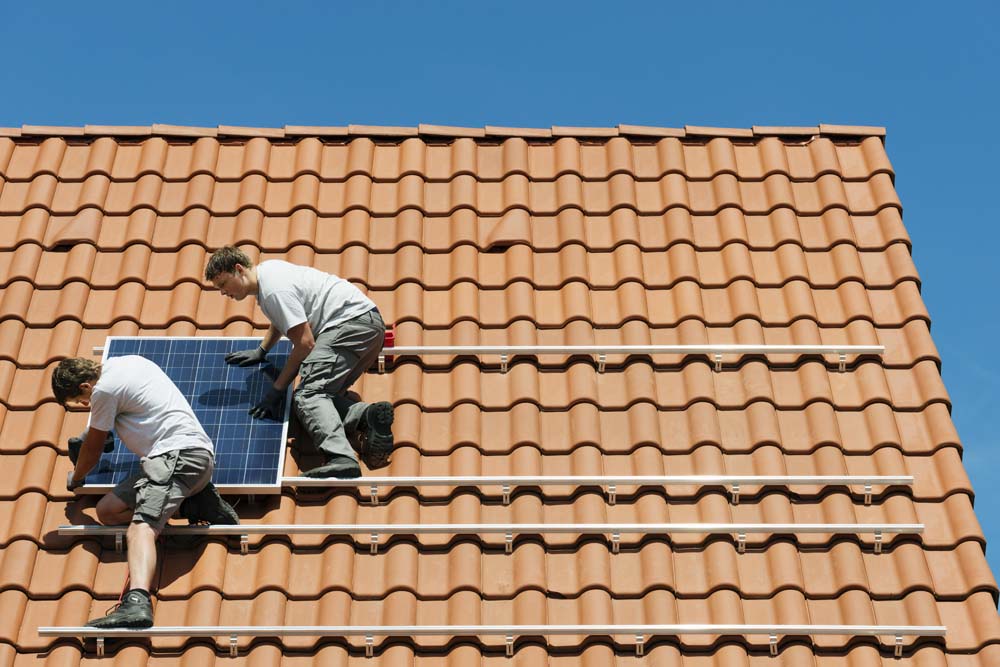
507,483
508,530
601,352
508,632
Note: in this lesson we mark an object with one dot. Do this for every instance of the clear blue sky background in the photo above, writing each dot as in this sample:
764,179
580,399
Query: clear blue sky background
928,72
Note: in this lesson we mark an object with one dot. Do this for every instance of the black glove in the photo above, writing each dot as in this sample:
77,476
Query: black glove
269,406
76,443
246,357
72,485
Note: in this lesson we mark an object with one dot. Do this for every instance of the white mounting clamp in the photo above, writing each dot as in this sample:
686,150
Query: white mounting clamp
505,494
233,639
616,542
504,363
244,544
868,494
878,541
640,646
369,646
373,543
841,362
119,542
735,493
772,640
741,542
381,363
718,362
508,543
602,362
373,492
899,646
612,494
100,647
509,643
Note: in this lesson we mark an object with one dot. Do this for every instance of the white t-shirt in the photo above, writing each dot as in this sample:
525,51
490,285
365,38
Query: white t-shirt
290,294
135,397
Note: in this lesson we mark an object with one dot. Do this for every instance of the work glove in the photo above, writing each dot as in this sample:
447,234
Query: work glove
76,443
269,407
246,357
72,485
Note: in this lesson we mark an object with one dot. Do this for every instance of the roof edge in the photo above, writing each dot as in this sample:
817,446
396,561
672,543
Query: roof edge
446,131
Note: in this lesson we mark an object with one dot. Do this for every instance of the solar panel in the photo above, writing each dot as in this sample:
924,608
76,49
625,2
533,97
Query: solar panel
249,453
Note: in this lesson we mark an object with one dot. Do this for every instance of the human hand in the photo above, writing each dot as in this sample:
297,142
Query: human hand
246,357
269,407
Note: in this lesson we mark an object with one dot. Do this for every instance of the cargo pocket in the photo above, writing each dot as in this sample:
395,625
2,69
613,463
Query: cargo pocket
153,488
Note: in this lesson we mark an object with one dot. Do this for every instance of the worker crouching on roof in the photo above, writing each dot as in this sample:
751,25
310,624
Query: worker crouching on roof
336,333
133,396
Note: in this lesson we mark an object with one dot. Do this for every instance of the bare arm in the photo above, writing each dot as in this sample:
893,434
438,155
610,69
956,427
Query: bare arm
90,453
303,343
270,338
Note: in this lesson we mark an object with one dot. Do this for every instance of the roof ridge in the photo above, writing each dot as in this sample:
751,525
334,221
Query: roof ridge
488,131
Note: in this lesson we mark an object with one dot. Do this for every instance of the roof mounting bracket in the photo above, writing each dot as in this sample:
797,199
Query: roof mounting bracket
841,362
735,493
369,646
616,542
100,647
718,362
509,644
612,494
373,492
741,542
504,359
119,542
602,362
381,363
505,494
508,543
233,639
868,494
373,543
899,646
640,646
772,640
878,541
244,544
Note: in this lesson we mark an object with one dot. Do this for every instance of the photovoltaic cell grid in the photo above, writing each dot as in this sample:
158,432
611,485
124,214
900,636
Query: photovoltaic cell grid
249,452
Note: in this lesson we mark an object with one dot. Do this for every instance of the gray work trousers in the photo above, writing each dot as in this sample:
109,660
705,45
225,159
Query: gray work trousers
341,355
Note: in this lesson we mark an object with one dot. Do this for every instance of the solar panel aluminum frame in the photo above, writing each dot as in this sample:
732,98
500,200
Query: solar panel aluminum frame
247,489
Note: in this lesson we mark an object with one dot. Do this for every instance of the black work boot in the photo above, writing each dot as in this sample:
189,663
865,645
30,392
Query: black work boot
377,440
338,467
207,506
134,611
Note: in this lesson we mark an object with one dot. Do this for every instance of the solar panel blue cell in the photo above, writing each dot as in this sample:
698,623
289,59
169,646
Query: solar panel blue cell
249,453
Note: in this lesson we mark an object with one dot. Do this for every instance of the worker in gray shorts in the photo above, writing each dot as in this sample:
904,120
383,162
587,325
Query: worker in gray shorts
336,334
133,396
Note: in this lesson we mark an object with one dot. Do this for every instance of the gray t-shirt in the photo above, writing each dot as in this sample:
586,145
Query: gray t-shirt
135,397
290,294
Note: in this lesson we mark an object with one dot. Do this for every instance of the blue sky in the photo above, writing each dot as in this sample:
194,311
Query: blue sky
929,73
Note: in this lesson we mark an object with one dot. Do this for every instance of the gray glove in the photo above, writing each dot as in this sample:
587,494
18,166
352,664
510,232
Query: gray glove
246,357
269,406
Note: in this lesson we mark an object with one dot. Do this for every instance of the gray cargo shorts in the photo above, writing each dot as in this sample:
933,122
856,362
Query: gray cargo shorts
163,482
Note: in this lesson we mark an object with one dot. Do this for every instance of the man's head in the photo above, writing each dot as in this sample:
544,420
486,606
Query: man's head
73,381
232,272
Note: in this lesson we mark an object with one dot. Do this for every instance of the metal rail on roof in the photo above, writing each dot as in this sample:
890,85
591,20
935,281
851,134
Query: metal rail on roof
508,632
508,530
601,352
507,483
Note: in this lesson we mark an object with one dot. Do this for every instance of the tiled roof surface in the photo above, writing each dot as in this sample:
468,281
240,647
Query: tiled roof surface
467,236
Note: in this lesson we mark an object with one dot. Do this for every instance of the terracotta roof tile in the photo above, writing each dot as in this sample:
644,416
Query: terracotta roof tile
627,235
